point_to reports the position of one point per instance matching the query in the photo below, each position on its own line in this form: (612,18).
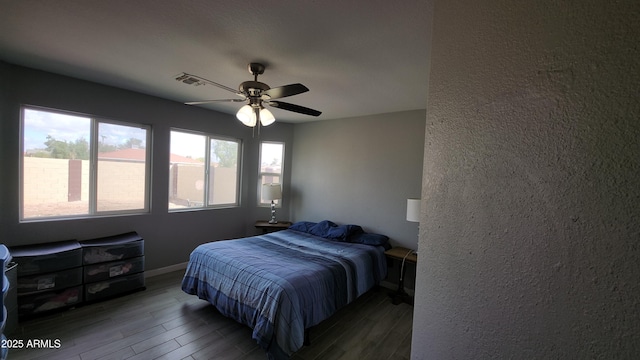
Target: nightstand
(267,228)
(401,255)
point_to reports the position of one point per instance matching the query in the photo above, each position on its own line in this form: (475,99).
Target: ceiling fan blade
(210,101)
(284,91)
(294,108)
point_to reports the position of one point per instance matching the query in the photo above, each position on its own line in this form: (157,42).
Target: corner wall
(360,171)
(530,233)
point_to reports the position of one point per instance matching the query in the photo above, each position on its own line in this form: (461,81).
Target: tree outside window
(203,171)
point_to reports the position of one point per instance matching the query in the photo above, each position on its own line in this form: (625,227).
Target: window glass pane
(55,164)
(223,173)
(122,164)
(186,170)
(271,158)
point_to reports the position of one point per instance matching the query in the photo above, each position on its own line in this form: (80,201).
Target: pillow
(327,229)
(353,230)
(332,231)
(302,226)
(371,239)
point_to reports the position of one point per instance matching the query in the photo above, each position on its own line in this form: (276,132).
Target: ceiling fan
(257,94)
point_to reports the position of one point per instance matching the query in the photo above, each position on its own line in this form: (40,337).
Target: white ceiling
(356,57)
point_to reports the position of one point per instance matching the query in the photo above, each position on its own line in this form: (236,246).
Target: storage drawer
(110,288)
(117,247)
(5,286)
(4,351)
(49,300)
(105,271)
(51,281)
(5,258)
(46,258)
(11,271)
(11,301)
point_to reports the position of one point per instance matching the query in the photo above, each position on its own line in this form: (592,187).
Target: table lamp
(272,192)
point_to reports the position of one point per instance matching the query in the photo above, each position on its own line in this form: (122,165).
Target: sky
(193,145)
(189,145)
(39,124)
(65,127)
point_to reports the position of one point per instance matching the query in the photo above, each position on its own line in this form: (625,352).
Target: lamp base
(273,213)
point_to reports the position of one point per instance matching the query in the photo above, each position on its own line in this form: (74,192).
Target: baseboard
(165,270)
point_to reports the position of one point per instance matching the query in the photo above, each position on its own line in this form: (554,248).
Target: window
(203,171)
(271,167)
(75,165)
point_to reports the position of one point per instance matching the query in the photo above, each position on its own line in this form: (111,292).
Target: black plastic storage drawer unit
(47,258)
(45,301)
(112,266)
(117,247)
(113,287)
(49,276)
(50,281)
(108,270)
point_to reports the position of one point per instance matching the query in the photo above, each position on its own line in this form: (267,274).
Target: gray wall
(169,238)
(360,171)
(530,229)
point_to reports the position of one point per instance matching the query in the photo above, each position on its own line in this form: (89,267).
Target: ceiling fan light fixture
(266,117)
(247,116)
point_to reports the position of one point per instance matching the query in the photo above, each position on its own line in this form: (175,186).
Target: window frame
(93,141)
(207,170)
(261,174)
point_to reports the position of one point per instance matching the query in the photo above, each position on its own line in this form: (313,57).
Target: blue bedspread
(282,283)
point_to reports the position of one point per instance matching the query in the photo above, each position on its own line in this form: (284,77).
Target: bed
(283,283)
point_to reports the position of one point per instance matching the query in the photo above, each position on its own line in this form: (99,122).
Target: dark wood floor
(163,322)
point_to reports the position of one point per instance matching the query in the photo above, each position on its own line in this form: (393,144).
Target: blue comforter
(282,283)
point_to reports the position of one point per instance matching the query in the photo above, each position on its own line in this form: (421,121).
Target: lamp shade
(413,210)
(272,191)
(266,117)
(247,116)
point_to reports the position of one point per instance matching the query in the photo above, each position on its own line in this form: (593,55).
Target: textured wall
(529,243)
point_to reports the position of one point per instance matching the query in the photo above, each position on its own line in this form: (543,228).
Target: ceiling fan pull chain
(258,121)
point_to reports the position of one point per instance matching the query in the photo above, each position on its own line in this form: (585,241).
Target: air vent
(190,80)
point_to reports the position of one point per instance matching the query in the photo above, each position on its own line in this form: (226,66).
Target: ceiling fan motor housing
(253,90)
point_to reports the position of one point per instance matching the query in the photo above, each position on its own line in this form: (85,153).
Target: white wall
(529,242)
